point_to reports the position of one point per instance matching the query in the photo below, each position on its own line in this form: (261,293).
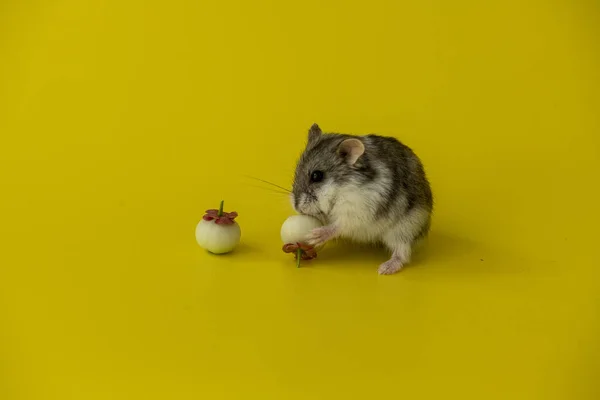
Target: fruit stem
(221,208)
(298,257)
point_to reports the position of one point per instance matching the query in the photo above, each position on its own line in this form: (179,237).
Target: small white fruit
(218,239)
(217,232)
(296,228)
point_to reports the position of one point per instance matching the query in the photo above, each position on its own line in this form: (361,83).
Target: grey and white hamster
(368,188)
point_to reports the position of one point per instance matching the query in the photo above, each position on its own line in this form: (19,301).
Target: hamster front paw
(390,267)
(319,236)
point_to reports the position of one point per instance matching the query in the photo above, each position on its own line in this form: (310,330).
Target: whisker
(281,192)
(269,183)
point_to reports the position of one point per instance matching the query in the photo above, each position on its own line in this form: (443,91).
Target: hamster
(369,189)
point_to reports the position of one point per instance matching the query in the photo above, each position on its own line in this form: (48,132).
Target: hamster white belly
(354,213)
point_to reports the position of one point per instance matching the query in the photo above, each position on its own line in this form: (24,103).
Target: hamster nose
(295,202)
(300,203)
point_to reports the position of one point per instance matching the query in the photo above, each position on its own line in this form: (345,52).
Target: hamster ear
(314,133)
(351,150)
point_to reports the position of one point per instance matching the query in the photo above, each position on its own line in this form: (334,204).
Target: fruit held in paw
(294,233)
(217,232)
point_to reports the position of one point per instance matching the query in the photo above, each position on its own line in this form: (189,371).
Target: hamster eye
(316,176)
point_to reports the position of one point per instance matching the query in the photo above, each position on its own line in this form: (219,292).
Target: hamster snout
(307,204)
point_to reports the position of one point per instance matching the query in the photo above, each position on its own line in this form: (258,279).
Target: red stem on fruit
(219,216)
(301,251)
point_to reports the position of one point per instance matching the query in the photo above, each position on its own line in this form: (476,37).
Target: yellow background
(122,121)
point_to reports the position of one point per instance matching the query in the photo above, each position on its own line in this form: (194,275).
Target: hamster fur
(370,189)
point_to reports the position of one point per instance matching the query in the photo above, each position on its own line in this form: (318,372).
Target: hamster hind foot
(400,257)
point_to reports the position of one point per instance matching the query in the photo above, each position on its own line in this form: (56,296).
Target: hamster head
(330,164)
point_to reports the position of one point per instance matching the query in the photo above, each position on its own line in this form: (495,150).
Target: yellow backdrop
(122,121)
